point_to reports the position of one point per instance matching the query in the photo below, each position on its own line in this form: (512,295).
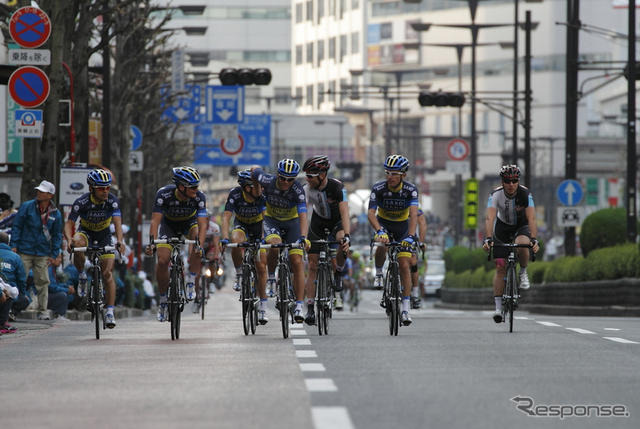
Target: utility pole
(571,113)
(632,162)
(527,101)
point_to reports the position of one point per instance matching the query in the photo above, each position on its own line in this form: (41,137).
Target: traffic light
(245,76)
(471,204)
(441,99)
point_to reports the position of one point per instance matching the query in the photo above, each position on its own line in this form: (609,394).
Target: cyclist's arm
(68,231)
(226,220)
(156,218)
(343,206)
(303,223)
(413,218)
(203,224)
(489,220)
(530,212)
(422,228)
(373,220)
(117,223)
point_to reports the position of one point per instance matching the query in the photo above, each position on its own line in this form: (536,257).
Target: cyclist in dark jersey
(179,209)
(510,218)
(247,203)
(393,212)
(327,201)
(96,210)
(285,221)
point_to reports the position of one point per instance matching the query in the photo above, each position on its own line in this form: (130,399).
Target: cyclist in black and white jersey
(510,217)
(327,202)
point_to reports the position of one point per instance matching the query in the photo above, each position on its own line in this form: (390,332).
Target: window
(309,95)
(298,54)
(252,94)
(343,85)
(454,125)
(320,95)
(282,95)
(309,10)
(310,52)
(386,31)
(332,91)
(195,31)
(355,4)
(343,7)
(298,96)
(199,59)
(343,46)
(332,48)
(355,43)
(320,51)
(320,7)
(299,13)
(192,10)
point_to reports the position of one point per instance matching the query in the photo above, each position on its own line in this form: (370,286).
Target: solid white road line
(320,385)
(549,324)
(612,329)
(306,354)
(620,340)
(301,342)
(298,332)
(521,318)
(331,418)
(580,331)
(312,367)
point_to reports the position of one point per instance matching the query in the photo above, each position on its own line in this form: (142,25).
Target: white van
(434,277)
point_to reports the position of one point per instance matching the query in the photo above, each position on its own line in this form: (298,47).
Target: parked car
(434,277)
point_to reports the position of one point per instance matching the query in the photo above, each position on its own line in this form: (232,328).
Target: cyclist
(510,214)
(211,249)
(285,220)
(179,209)
(329,207)
(97,209)
(393,212)
(416,293)
(248,204)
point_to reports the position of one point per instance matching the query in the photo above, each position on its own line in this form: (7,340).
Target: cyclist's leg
(162,269)
(291,231)
(195,258)
(272,236)
(79,240)
(523,237)
(310,287)
(237,236)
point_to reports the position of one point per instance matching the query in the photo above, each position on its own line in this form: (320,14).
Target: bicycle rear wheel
(283,294)
(511,293)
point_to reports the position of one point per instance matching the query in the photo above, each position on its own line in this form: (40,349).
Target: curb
(119,312)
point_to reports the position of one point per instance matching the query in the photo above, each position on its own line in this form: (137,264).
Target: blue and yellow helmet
(187,176)
(99,177)
(288,168)
(396,163)
(244,177)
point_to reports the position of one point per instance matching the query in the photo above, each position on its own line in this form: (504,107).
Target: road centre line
(331,418)
(301,342)
(312,367)
(612,329)
(549,324)
(620,340)
(320,385)
(580,331)
(306,354)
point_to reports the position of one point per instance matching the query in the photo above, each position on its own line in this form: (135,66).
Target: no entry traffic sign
(29,86)
(30,27)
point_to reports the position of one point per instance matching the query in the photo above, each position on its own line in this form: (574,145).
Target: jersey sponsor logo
(160,201)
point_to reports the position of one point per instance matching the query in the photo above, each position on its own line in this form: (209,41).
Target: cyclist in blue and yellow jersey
(393,212)
(285,220)
(510,218)
(96,209)
(416,292)
(179,209)
(247,203)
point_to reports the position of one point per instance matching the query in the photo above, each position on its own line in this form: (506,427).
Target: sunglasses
(510,181)
(286,179)
(192,187)
(102,188)
(312,175)
(392,173)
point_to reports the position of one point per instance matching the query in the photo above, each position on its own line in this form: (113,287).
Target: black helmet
(316,164)
(510,172)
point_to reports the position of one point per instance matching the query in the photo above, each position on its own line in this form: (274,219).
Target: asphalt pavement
(449,369)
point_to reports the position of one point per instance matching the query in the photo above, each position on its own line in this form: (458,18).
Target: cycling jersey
(393,205)
(213,230)
(95,216)
(245,212)
(511,210)
(324,203)
(281,205)
(177,210)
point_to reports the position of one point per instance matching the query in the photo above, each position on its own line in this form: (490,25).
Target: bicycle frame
(324,284)
(391,294)
(248,287)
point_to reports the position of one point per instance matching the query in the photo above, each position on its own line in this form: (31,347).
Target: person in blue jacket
(36,235)
(60,293)
(12,271)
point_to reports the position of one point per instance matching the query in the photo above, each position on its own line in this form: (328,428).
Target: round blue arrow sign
(136,137)
(570,192)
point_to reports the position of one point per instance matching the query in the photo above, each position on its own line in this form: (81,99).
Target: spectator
(7,294)
(7,212)
(60,293)
(36,236)
(13,273)
(71,278)
(149,293)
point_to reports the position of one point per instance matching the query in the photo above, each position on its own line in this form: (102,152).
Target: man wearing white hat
(36,236)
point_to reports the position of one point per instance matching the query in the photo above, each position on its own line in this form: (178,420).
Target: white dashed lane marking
(620,340)
(549,324)
(612,329)
(580,331)
(312,367)
(331,418)
(301,342)
(306,354)
(320,385)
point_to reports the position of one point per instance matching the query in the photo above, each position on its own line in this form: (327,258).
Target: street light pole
(632,162)
(571,119)
(516,29)
(527,101)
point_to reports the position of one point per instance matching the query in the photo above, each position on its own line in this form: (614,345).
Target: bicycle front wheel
(174,305)
(394,295)
(245,297)
(254,304)
(511,293)
(95,305)
(204,288)
(283,294)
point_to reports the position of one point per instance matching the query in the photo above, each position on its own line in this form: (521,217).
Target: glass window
(343,6)
(298,96)
(252,94)
(309,10)
(320,7)
(332,91)
(343,86)
(343,46)
(282,95)
(320,51)
(355,43)
(298,13)
(298,54)
(309,95)
(332,48)
(355,4)
(320,95)
(386,31)
(310,52)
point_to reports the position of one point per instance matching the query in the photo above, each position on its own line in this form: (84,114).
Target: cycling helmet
(355,255)
(244,177)
(510,172)
(288,168)
(99,177)
(317,164)
(187,176)
(396,163)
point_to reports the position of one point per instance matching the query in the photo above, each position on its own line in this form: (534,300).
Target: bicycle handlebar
(173,240)
(86,248)
(511,246)
(267,246)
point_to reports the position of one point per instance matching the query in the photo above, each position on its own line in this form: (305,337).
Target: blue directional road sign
(253,143)
(136,137)
(185,108)
(570,192)
(225,104)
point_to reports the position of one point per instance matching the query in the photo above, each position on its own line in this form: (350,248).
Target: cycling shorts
(397,231)
(169,229)
(98,239)
(316,232)
(505,233)
(287,230)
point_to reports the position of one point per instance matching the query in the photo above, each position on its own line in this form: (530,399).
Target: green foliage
(566,269)
(613,262)
(537,270)
(476,279)
(459,259)
(604,228)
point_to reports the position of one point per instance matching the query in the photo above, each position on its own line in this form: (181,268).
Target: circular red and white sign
(458,150)
(30,27)
(29,86)
(232,147)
